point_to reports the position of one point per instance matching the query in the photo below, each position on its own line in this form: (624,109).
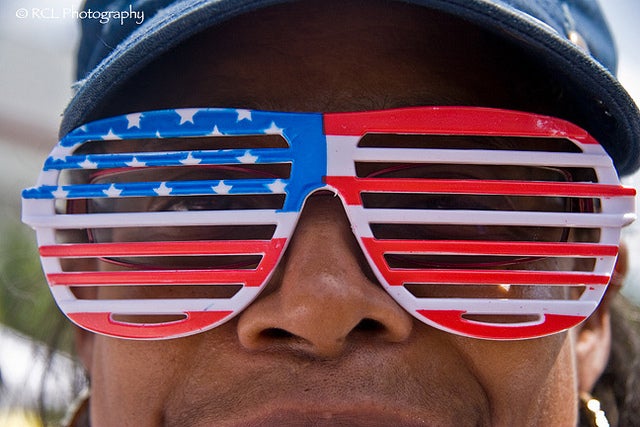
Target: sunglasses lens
(482,235)
(159,237)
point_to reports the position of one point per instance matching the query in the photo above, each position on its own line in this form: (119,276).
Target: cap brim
(608,112)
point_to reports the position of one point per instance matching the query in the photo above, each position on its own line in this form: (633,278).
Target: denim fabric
(110,53)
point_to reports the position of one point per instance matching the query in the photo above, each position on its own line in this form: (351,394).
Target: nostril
(275,334)
(369,325)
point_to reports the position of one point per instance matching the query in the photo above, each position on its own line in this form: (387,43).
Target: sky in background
(624,18)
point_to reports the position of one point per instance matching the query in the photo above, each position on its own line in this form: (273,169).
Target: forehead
(333,56)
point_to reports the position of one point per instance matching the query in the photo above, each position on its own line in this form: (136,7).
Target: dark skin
(324,344)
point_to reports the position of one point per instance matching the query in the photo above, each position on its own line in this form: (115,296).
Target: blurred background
(36,69)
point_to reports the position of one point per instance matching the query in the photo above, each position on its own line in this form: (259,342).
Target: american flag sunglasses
(485,223)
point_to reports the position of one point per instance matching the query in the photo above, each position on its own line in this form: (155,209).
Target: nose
(322,296)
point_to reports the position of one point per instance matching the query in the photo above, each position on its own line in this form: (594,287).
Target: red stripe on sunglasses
(351,187)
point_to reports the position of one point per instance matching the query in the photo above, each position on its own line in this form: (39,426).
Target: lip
(319,407)
(342,403)
(372,416)
(335,418)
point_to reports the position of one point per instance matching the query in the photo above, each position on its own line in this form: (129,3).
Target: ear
(593,340)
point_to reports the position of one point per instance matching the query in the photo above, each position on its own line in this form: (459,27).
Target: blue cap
(570,37)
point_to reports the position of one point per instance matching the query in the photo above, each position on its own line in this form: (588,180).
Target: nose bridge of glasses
(325,206)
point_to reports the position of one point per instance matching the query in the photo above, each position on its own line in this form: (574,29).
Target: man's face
(324,344)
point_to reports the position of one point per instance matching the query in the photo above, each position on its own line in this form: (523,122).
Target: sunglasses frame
(323,150)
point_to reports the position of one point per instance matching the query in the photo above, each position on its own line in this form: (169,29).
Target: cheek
(131,381)
(141,383)
(535,376)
